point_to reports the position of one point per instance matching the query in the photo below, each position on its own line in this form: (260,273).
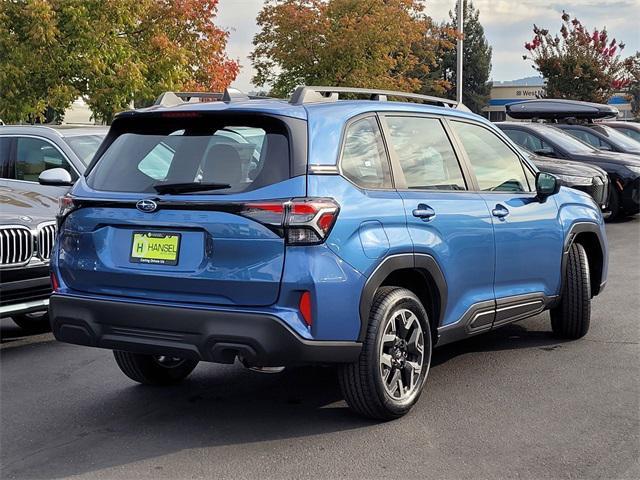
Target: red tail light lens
(305,308)
(306,221)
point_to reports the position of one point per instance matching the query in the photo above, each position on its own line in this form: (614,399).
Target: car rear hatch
(185,209)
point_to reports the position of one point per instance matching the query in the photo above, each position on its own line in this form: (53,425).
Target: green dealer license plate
(155,248)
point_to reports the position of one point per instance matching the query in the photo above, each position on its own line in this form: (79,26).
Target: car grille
(599,190)
(46,237)
(16,245)
(19,245)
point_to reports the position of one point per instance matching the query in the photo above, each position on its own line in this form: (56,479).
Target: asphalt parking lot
(515,403)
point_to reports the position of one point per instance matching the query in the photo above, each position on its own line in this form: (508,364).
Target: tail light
(66,205)
(305,221)
(55,285)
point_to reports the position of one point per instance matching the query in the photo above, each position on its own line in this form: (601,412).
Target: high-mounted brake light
(305,221)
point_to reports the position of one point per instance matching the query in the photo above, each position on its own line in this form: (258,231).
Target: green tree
(113,52)
(476,57)
(358,43)
(632,82)
(577,64)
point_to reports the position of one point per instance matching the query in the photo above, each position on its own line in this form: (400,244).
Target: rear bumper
(260,339)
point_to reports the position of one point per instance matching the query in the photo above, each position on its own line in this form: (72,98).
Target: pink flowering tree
(577,63)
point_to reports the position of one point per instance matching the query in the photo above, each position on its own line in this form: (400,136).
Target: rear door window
(35,155)
(590,138)
(235,155)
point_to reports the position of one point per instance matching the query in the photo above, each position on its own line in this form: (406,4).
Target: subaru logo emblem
(147,206)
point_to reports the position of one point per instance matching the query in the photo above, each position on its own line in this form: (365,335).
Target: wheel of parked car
(154,369)
(388,378)
(571,318)
(33,322)
(614,205)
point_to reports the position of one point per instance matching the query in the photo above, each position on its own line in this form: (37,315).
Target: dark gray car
(28,210)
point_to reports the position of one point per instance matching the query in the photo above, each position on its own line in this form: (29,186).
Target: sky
(507,25)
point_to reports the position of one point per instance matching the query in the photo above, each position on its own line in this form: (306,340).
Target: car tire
(571,317)
(154,369)
(614,206)
(33,323)
(389,376)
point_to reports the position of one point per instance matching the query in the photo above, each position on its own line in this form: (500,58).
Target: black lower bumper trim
(215,336)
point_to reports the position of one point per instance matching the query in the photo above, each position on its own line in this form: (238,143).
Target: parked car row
(571,134)
(28,211)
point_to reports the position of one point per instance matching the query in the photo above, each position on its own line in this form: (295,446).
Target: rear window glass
(242,155)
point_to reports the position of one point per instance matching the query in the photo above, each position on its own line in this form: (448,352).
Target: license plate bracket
(155,248)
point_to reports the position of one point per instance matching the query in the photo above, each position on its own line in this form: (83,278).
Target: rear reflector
(55,286)
(305,308)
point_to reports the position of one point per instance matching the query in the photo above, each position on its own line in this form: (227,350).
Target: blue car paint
(372,225)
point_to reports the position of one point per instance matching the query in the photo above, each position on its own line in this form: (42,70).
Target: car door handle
(425,212)
(500,211)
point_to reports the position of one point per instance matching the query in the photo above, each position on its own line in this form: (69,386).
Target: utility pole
(460,51)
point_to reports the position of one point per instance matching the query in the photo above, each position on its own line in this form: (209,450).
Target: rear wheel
(571,318)
(33,322)
(388,378)
(154,369)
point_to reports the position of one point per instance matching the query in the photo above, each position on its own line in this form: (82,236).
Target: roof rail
(172,99)
(315,94)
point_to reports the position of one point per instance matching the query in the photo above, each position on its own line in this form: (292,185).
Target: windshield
(234,157)
(620,139)
(84,146)
(565,140)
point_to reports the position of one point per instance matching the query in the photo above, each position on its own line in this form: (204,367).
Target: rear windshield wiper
(176,188)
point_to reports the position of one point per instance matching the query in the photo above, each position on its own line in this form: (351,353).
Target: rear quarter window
(244,154)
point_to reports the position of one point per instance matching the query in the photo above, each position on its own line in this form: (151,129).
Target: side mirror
(55,176)
(546,185)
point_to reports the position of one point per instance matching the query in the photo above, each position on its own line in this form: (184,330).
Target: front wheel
(389,376)
(154,369)
(571,318)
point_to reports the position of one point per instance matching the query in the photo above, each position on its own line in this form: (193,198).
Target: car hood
(609,157)
(567,167)
(26,204)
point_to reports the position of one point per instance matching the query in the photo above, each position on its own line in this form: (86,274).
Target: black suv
(549,141)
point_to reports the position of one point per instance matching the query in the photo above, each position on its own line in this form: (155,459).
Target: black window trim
(343,141)
(506,141)
(398,173)
(13,152)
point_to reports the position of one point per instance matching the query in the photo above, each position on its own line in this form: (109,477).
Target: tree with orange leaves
(112,52)
(357,43)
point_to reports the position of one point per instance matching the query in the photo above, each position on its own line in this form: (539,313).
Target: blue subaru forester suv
(318,230)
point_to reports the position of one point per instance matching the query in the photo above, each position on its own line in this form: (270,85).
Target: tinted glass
(564,140)
(589,138)
(618,137)
(33,156)
(528,141)
(364,160)
(496,166)
(5,169)
(634,134)
(425,154)
(84,146)
(245,157)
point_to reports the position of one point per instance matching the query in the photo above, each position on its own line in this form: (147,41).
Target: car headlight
(574,180)
(633,168)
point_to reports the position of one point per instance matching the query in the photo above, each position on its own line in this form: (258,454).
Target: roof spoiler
(173,99)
